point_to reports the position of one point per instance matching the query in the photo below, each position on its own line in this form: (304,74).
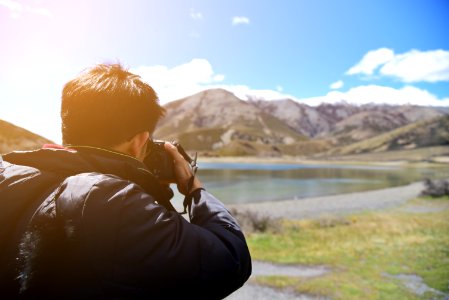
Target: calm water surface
(256,182)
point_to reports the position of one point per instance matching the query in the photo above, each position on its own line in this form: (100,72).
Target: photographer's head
(107,106)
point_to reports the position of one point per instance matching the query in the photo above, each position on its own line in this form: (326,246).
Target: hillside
(299,117)
(16,138)
(433,132)
(344,123)
(216,122)
(372,121)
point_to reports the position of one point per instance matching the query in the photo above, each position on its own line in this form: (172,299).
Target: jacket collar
(85,159)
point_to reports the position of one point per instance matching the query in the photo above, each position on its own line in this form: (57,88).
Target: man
(90,221)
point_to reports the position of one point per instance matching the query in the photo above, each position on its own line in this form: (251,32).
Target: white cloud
(16,8)
(337,85)
(416,66)
(245,93)
(219,77)
(195,76)
(376,94)
(179,81)
(198,75)
(42,11)
(371,60)
(412,66)
(196,15)
(12,5)
(237,20)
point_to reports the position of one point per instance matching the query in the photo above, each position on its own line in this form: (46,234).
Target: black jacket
(92,224)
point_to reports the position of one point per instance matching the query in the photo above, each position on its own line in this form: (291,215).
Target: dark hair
(107,105)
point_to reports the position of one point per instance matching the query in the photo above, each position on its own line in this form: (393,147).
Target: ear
(136,146)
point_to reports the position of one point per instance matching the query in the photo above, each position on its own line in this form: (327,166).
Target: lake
(259,182)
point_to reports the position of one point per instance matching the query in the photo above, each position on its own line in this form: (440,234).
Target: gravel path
(257,292)
(253,291)
(335,204)
(268,269)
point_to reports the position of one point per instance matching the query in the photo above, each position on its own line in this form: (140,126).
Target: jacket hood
(67,162)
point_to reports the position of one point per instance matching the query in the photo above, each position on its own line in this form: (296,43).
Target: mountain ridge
(216,122)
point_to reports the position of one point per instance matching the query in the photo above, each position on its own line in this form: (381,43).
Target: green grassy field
(363,251)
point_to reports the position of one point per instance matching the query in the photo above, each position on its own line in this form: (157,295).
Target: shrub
(435,188)
(251,221)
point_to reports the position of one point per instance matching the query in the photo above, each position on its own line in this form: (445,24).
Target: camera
(160,162)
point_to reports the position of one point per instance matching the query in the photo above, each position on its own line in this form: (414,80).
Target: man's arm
(214,219)
(158,252)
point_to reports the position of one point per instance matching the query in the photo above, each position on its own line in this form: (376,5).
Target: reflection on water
(244,182)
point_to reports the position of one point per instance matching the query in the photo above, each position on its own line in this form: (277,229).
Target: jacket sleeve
(157,252)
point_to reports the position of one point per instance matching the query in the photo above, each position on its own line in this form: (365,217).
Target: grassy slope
(247,139)
(426,133)
(16,138)
(361,249)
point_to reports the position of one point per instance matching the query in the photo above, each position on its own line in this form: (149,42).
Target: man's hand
(182,170)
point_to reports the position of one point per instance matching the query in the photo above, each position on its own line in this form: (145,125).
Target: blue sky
(311,51)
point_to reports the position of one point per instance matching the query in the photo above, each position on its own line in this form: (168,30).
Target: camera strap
(188,198)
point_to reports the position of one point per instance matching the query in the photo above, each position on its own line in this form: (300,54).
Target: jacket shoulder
(104,193)
(96,187)
(12,172)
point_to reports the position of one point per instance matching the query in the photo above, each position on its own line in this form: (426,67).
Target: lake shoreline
(426,156)
(306,161)
(242,180)
(334,205)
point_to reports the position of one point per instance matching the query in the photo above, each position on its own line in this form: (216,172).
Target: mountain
(216,122)
(433,132)
(13,138)
(299,117)
(371,121)
(344,123)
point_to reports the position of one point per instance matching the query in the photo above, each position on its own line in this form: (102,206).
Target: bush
(251,221)
(435,188)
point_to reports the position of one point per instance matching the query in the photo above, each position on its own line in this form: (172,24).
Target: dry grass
(15,138)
